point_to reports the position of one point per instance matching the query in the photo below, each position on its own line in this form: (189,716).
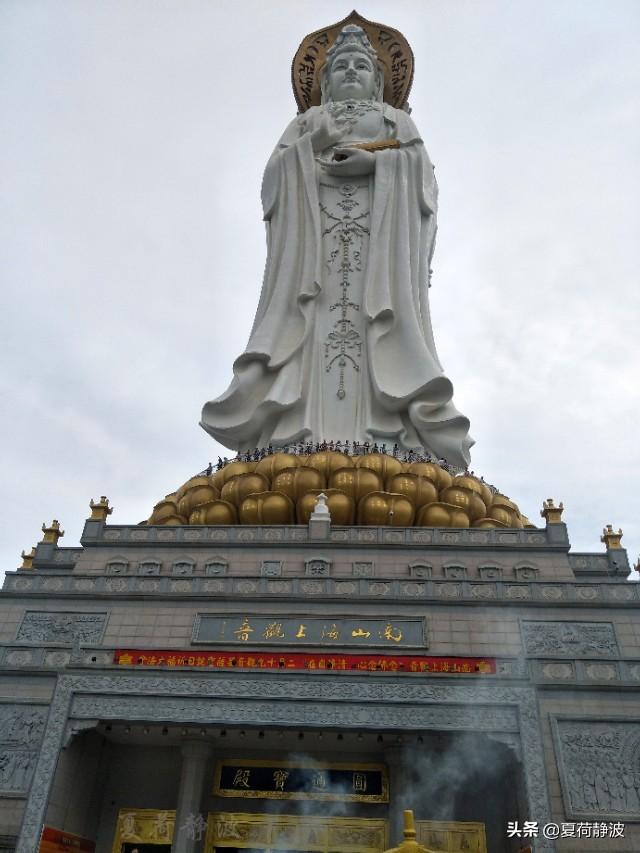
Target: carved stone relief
(219,535)
(621,593)
(588,593)
(19,657)
(412,588)
(216,568)
(456,573)
(517,593)
(449,590)
(526,573)
(569,639)
(558,671)
(379,588)
(16,769)
(166,535)
(61,627)
(420,570)
(279,587)
(346,587)
(117,567)
(57,659)
(422,536)
(490,573)
(246,586)
(393,536)
(143,535)
(312,587)
(148,585)
(552,593)
(214,586)
(363,569)
(601,671)
(271,568)
(21,725)
(599,764)
(483,590)
(317,567)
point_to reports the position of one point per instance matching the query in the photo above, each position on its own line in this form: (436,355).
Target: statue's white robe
(271,399)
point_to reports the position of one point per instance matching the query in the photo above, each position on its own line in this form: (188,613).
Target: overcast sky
(134,136)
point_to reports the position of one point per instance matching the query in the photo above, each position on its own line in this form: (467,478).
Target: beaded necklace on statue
(345,114)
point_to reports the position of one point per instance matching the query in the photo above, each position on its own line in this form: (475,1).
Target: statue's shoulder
(405,128)
(309,118)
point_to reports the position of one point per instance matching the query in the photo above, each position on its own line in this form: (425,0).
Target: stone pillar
(195,757)
(399,793)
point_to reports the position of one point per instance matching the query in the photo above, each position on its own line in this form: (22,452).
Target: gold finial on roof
(610,538)
(100,510)
(27,559)
(551,513)
(53,532)
(409,845)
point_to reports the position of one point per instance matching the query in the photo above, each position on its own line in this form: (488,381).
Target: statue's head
(352,69)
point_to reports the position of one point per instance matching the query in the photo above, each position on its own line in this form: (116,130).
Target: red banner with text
(56,841)
(314,661)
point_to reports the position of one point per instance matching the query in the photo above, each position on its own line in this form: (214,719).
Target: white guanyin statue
(342,346)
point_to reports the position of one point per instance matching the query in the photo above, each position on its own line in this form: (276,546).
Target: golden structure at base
(452,836)
(434,836)
(314,833)
(371,489)
(143,826)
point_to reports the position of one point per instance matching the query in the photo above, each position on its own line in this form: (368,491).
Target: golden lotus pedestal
(374,489)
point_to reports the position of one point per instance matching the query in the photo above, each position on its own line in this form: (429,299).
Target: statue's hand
(350,162)
(325,135)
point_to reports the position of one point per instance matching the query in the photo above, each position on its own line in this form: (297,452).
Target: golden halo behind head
(394,54)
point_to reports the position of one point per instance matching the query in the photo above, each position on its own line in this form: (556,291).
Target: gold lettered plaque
(288,780)
(315,833)
(143,826)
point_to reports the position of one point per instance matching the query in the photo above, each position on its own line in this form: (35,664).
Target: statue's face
(352,75)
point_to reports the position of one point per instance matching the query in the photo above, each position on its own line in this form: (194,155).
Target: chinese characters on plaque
(286,780)
(309,630)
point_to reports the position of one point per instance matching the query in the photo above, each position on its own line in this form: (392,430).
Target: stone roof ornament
(27,559)
(611,539)
(53,532)
(551,513)
(101,509)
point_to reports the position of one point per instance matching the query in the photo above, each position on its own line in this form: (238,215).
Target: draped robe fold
(272,398)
